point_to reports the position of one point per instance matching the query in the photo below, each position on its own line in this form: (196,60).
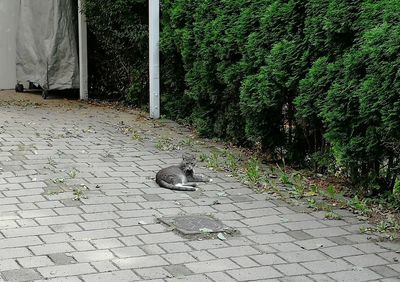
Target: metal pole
(83,62)
(154,57)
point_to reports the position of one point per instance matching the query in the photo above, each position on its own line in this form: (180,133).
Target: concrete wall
(8,28)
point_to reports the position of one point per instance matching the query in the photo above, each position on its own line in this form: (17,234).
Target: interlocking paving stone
(359,274)
(140,262)
(113,233)
(121,275)
(366,260)
(21,275)
(211,266)
(254,273)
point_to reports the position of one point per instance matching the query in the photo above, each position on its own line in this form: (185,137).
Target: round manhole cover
(194,224)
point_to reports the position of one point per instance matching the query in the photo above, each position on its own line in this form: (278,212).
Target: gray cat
(181,177)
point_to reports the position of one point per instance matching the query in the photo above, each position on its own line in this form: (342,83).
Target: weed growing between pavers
(293,186)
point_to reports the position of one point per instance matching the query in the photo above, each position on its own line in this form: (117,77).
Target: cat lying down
(181,177)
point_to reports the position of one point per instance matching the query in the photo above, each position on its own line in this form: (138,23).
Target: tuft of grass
(78,194)
(232,163)
(137,136)
(253,172)
(203,157)
(72,173)
(331,192)
(188,142)
(389,226)
(359,205)
(166,144)
(213,161)
(58,181)
(332,216)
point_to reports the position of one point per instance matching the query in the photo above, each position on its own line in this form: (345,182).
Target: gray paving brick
(254,273)
(14,253)
(20,275)
(244,261)
(385,271)
(211,266)
(317,243)
(176,247)
(160,238)
(302,256)
(324,266)
(66,270)
(94,234)
(121,275)
(140,262)
(20,242)
(152,249)
(300,278)
(89,256)
(207,244)
(267,259)
(106,243)
(26,231)
(36,261)
(220,276)
(234,251)
(327,232)
(126,252)
(321,278)
(153,273)
(61,258)
(55,238)
(8,264)
(104,266)
(51,248)
(291,269)
(357,275)
(271,238)
(341,251)
(178,258)
(366,260)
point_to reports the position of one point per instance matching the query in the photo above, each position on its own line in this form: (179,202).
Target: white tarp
(8,22)
(47,48)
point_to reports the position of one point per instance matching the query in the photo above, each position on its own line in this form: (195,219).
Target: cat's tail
(177,187)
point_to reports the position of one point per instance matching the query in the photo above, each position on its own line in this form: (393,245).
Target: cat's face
(189,162)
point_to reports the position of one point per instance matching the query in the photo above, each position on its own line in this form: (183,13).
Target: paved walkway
(61,150)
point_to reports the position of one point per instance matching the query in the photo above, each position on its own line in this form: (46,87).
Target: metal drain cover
(194,224)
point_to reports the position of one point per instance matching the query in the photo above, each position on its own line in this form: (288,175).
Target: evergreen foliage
(314,82)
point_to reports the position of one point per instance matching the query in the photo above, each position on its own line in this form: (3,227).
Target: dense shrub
(311,81)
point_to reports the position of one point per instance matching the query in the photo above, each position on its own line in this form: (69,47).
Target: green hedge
(314,82)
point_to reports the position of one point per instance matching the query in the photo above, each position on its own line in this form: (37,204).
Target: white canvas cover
(47,49)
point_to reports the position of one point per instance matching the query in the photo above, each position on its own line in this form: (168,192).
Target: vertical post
(83,62)
(154,57)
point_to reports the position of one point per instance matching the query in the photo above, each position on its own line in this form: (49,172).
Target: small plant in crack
(78,194)
(253,172)
(51,162)
(188,142)
(137,136)
(359,205)
(166,144)
(333,216)
(72,173)
(58,181)
(232,163)
(213,161)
